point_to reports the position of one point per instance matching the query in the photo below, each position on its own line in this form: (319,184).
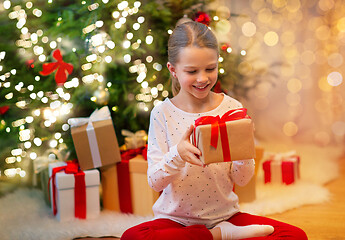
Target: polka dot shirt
(191,194)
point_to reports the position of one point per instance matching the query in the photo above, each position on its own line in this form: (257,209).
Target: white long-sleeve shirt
(191,194)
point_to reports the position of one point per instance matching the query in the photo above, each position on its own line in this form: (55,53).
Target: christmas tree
(60,60)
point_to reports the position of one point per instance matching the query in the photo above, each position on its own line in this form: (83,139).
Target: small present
(95,140)
(226,138)
(247,193)
(134,140)
(282,168)
(73,193)
(131,193)
(143,196)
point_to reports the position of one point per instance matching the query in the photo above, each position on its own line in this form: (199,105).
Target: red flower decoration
(202,17)
(63,68)
(4,109)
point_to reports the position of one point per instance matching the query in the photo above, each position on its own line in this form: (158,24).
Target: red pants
(169,230)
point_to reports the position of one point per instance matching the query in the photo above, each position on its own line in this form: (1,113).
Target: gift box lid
(66,181)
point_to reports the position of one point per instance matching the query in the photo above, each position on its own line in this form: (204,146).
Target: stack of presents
(116,177)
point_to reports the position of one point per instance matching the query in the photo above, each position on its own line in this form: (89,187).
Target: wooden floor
(323,221)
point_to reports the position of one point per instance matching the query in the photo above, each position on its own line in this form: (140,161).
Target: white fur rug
(24,215)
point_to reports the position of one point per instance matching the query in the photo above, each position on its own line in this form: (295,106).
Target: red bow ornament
(63,68)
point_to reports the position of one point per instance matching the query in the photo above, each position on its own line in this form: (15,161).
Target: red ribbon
(72,167)
(131,153)
(220,123)
(62,68)
(123,179)
(267,170)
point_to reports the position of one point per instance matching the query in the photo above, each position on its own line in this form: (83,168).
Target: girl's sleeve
(164,163)
(242,171)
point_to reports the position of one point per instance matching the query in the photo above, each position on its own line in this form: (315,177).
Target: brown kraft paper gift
(98,135)
(240,136)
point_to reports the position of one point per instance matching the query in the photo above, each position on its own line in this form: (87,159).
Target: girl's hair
(189,33)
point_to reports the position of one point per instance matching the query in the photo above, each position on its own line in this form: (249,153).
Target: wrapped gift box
(125,187)
(65,193)
(110,189)
(95,140)
(284,170)
(143,196)
(228,138)
(247,193)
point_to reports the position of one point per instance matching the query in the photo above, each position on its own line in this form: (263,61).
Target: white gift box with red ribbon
(282,168)
(65,202)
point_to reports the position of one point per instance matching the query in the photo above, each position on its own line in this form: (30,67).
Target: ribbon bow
(219,123)
(134,140)
(131,153)
(62,68)
(97,115)
(72,167)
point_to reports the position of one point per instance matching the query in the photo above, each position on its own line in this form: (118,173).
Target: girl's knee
(300,234)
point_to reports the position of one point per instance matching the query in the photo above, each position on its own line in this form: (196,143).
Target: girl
(197,202)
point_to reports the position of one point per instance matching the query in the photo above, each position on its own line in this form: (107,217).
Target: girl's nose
(202,77)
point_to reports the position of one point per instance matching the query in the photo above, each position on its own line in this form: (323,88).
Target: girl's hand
(187,150)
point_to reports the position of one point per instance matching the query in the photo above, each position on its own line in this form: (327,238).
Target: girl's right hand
(188,152)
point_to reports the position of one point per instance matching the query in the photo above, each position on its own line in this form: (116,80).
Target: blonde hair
(188,33)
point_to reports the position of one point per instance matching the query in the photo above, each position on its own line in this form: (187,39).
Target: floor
(321,222)
(324,221)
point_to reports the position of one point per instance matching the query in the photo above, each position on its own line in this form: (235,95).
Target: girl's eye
(191,72)
(210,69)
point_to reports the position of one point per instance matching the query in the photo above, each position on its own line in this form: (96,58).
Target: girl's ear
(171,69)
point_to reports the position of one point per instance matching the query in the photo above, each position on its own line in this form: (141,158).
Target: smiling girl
(197,201)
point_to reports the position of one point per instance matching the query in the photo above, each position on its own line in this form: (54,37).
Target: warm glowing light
(334,79)
(271,38)
(223,26)
(294,85)
(249,29)
(290,129)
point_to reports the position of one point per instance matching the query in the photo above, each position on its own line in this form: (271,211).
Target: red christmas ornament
(225,46)
(63,68)
(4,109)
(202,17)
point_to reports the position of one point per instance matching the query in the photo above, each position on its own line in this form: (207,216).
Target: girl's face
(196,71)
